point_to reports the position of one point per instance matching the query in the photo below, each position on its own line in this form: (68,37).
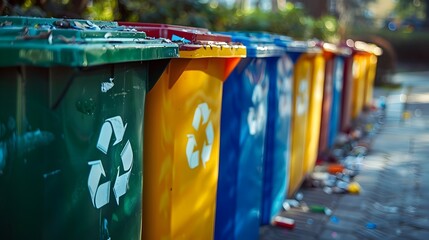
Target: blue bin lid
(258,44)
(294,46)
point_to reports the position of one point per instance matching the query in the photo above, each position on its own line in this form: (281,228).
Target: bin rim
(258,44)
(193,42)
(57,23)
(78,48)
(364,47)
(335,49)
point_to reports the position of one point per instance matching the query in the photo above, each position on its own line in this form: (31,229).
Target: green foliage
(290,21)
(406,8)
(326,28)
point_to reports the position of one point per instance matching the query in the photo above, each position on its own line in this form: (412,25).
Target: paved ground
(394,202)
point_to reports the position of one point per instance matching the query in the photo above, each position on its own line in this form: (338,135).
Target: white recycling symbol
(100,193)
(256,114)
(302,98)
(201,118)
(338,75)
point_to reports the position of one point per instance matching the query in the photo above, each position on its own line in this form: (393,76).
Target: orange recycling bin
(364,69)
(181,131)
(374,51)
(302,86)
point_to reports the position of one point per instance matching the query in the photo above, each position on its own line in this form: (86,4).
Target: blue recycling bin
(278,132)
(335,115)
(243,129)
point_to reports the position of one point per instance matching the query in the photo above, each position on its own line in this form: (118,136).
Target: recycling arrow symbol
(256,114)
(201,117)
(100,193)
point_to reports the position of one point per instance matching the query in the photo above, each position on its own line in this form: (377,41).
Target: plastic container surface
(73,95)
(364,70)
(332,95)
(182,129)
(347,93)
(302,81)
(243,132)
(315,113)
(278,140)
(335,114)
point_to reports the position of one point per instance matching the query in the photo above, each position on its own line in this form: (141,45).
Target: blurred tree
(351,13)
(281,16)
(413,14)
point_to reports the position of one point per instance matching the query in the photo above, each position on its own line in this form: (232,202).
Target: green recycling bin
(71,123)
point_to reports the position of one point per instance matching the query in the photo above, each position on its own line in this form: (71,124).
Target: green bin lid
(38,42)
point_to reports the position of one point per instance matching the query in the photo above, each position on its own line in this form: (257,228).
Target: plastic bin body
(302,77)
(327,101)
(315,113)
(279,132)
(72,117)
(182,128)
(243,133)
(360,73)
(347,95)
(369,88)
(277,144)
(335,114)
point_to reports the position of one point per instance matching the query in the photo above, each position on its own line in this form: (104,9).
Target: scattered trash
(299,196)
(371,225)
(292,203)
(335,219)
(335,168)
(327,190)
(286,206)
(386,209)
(304,207)
(354,188)
(317,208)
(398,231)
(406,115)
(284,222)
(310,221)
(320,176)
(328,212)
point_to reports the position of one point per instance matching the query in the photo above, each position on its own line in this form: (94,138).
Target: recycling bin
(73,95)
(279,132)
(182,133)
(342,55)
(374,52)
(347,93)
(329,51)
(359,72)
(243,129)
(305,62)
(331,105)
(315,113)
(363,72)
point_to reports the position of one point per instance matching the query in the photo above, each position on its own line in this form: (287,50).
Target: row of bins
(132,130)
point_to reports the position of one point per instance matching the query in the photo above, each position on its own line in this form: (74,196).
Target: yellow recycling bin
(315,113)
(359,72)
(302,77)
(181,148)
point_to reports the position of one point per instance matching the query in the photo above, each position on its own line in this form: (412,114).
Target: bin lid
(258,44)
(335,49)
(39,42)
(363,47)
(295,46)
(193,42)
